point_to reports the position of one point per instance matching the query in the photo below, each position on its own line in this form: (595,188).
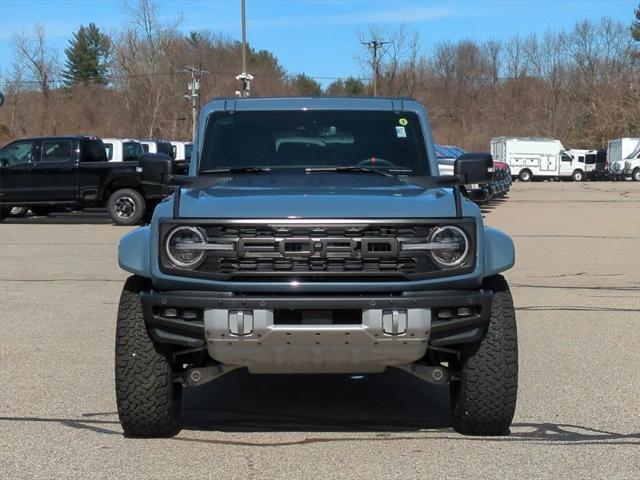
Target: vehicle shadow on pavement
(90,217)
(386,407)
(393,401)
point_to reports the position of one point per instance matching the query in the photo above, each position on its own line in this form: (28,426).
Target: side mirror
(155,168)
(473,167)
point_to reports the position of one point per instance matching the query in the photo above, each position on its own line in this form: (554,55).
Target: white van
(632,165)
(618,150)
(182,150)
(585,158)
(122,149)
(530,157)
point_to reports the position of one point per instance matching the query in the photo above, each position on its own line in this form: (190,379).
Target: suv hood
(315,195)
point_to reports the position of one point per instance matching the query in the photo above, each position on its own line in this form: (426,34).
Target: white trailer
(530,157)
(618,150)
(122,149)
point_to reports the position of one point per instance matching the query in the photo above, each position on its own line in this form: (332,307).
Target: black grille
(316,252)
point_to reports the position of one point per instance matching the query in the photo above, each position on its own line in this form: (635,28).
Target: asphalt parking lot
(576,286)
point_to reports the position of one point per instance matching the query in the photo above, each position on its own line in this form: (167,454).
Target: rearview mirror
(473,167)
(155,168)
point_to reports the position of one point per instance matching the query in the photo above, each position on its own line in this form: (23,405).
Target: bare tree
(36,58)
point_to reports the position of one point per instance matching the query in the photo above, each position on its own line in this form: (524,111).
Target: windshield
(290,140)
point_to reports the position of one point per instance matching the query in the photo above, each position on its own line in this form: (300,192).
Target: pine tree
(87,57)
(635,26)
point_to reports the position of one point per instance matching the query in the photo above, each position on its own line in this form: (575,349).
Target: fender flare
(499,252)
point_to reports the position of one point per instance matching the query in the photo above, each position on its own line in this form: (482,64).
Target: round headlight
(450,246)
(178,243)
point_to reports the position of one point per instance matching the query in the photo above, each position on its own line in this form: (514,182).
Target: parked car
(44,173)
(122,149)
(497,185)
(617,151)
(341,252)
(536,158)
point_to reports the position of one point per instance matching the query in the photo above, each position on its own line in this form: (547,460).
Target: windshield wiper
(236,170)
(352,169)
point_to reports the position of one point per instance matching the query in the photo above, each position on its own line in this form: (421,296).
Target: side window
(94,151)
(566,158)
(145,147)
(56,150)
(166,149)
(590,159)
(17,153)
(108,147)
(175,151)
(581,159)
(131,151)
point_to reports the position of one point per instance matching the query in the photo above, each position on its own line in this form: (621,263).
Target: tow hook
(194,377)
(435,375)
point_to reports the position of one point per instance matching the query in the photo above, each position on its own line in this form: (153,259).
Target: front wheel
(126,207)
(636,175)
(148,398)
(577,176)
(484,395)
(525,176)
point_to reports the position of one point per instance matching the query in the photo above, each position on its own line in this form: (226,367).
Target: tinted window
(93,151)
(109,150)
(131,150)
(175,151)
(566,158)
(165,148)
(145,147)
(187,151)
(16,153)
(386,140)
(590,159)
(57,150)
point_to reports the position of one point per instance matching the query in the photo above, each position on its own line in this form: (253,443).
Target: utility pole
(374,46)
(194,95)
(244,76)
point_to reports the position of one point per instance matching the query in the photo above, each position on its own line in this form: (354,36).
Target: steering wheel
(375,161)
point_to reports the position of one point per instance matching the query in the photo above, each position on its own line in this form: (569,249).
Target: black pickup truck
(45,173)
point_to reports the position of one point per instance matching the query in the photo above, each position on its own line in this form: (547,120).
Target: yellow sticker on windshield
(403,121)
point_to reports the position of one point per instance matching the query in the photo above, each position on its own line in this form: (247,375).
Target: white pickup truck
(122,149)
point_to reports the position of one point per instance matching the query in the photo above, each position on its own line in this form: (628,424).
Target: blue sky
(317,37)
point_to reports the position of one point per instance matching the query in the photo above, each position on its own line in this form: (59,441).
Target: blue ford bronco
(315,235)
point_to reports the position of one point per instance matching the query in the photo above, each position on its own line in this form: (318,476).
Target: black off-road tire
(126,207)
(484,398)
(41,211)
(525,175)
(148,398)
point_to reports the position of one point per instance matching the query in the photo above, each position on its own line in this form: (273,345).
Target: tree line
(581,85)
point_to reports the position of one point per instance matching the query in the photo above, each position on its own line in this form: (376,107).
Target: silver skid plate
(249,338)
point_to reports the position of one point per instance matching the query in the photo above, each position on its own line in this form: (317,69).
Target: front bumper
(386,330)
